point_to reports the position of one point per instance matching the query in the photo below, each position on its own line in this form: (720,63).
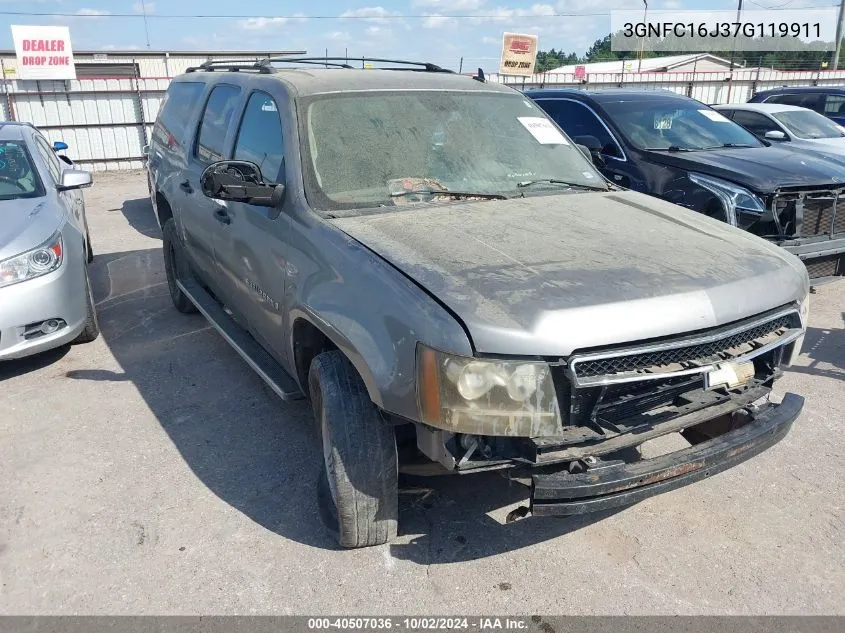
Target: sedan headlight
(39,261)
(486,397)
(741,206)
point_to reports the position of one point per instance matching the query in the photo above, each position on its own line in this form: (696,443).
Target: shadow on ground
(141,217)
(825,347)
(20,367)
(259,454)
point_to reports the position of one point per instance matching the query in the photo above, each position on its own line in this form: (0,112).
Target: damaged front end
(710,387)
(809,224)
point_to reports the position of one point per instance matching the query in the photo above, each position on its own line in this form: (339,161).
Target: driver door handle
(186,186)
(222,216)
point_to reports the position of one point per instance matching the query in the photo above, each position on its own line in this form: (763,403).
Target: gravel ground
(152,472)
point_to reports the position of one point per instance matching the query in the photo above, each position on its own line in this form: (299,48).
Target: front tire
(176,267)
(92,327)
(358,488)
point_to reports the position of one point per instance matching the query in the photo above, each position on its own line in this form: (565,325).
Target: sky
(438,31)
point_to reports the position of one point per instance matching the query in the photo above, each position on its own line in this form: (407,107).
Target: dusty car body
(45,296)
(455,287)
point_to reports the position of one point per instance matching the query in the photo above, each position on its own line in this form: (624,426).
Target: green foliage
(801,57)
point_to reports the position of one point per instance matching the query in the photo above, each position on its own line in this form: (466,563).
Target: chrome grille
(686,353)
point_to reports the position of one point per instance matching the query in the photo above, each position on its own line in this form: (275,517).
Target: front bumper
(824,258)
(61,294)
(564,493)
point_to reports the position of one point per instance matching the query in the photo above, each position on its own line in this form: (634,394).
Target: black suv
(683,151)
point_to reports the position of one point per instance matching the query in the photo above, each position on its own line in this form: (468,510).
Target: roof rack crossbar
(263,65)
(336,61)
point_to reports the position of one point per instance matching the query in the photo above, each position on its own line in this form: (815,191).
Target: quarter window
(260,137)
(176,110)
(216,120)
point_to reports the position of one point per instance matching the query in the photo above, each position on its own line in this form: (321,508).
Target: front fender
(371,312)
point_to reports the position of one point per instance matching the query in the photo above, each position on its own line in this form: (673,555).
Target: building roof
(649,64)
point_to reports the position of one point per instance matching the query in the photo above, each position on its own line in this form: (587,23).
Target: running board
(255,356)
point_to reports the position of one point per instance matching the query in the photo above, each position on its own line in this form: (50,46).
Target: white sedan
(798,127)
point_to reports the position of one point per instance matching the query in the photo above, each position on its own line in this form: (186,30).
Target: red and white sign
(580,72)
(44,52)
(519,53)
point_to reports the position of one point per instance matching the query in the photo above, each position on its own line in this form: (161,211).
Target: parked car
(799,127)
(683,151)
(45,247)
(826,100)
(457,289)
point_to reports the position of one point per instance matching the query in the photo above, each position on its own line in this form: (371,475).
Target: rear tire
(358,488)
(92,328)
(176,267)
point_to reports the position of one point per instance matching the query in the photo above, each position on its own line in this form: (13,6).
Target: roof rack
(264,65)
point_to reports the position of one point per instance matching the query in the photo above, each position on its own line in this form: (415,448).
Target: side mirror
(585,151)
(75,179)
(593,146)
(775,135)
(59,146)
(240,181)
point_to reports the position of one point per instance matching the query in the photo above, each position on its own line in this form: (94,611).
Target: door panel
(197,211)
(250,247)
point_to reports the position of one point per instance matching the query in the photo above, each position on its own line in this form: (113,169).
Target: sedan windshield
(674,124)
(372,149)
(18,178)
(808,124)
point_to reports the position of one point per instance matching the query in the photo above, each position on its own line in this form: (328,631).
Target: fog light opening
(49,326)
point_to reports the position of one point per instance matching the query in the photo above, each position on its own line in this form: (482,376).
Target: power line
(500,17)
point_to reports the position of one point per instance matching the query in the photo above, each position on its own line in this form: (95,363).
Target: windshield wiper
(554,181)
(731,145)
(443,192)
(671,148)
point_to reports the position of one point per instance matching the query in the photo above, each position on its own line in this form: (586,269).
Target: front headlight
(486,397)
(741,206)
(39,261)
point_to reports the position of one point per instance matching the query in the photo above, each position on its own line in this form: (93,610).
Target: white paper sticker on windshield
(715,116)
(662,121)
(542,130)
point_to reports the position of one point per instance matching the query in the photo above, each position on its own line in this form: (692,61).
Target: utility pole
(642,40)
(835,60)
(733,50)
(147,30)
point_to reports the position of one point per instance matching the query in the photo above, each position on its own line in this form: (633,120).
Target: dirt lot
(152,473)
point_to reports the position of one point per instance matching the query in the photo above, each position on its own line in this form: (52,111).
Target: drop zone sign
(43,52)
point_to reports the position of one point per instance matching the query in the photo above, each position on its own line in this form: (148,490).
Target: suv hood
(761,169)
(547,275)
(25,223)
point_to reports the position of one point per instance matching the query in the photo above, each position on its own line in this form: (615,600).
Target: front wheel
(358,488)
(92,328)
(176,268)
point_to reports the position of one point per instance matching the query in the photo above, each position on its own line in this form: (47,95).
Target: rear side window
(834,104)
(260,137)
(216,119)
(577,120)
(804,100)
(756,123)
(176,110)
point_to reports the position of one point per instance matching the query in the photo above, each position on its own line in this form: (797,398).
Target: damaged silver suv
(446,276)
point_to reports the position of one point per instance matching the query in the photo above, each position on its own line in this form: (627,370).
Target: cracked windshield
(392,149)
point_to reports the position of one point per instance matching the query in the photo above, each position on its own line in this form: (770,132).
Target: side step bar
(255,356)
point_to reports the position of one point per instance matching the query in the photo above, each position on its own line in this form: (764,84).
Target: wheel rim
(328,457)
